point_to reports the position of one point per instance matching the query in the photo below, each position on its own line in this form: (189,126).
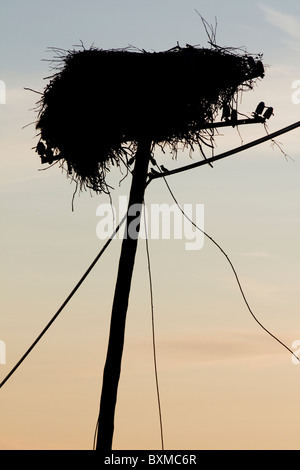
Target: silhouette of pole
(112,368)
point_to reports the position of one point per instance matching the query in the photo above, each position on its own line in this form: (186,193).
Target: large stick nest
(100,103)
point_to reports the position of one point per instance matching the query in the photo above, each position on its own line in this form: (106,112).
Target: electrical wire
(95,434)
(234,272)
(151,177)
(63,304)
(229,152)
(150,278)
(153,332)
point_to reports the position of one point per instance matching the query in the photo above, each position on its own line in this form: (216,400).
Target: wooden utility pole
(112,369)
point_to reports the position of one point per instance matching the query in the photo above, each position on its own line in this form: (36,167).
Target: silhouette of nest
(100,103)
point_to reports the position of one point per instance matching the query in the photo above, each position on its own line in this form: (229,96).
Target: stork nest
(100,103)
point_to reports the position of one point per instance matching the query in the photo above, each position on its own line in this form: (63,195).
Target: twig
(34,91)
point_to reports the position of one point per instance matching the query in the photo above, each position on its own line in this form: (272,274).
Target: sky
(224,383)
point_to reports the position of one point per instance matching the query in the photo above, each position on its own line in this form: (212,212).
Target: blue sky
(204,333)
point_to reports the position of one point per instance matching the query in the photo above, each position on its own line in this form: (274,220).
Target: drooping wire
(153,332)
(234,272)
(105,247)
(64,303)
(153,343)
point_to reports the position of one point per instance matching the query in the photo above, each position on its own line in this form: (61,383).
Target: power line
(151,177)
(234,271)
(64,304)
(153,344)
(251,144)
(153,334)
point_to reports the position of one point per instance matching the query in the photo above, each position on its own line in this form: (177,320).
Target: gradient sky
(225,384)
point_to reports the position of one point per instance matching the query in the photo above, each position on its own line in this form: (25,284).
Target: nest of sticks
(100,104)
